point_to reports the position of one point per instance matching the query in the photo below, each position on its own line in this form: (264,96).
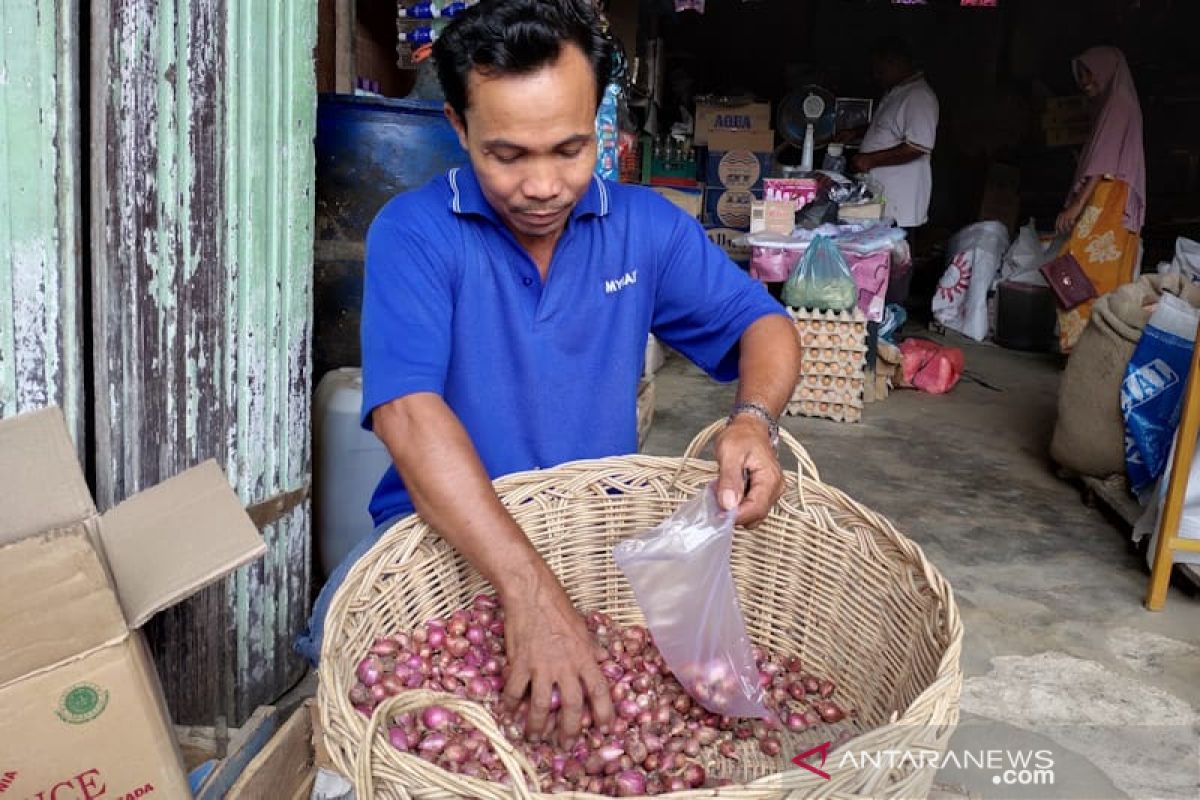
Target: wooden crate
(272,756)
(286,767)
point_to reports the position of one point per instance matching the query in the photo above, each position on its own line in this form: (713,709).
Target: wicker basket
(823,578)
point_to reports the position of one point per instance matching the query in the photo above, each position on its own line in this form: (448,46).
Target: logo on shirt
(617,284)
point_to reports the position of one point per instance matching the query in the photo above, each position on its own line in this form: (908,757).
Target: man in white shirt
(898,143)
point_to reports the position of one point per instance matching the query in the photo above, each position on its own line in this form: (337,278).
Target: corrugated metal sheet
(202,199)
(41,361)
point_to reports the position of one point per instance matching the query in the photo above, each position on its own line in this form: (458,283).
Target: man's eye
(571,152)
(506,158)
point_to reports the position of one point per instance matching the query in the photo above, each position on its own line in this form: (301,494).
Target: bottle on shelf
(424,10)
(421,35)
(433,9)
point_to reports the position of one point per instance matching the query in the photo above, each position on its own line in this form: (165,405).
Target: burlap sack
(1089,436)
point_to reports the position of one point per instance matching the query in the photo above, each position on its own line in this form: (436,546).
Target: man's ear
(458,123)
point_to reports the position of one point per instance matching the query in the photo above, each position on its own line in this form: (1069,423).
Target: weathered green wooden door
(41,348)
(202,120)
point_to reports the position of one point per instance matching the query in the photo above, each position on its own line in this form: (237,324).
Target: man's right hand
(548,642)
(550,646)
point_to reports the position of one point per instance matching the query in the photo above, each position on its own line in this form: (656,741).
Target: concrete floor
(1058,652)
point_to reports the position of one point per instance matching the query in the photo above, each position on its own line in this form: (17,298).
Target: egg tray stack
(833,364)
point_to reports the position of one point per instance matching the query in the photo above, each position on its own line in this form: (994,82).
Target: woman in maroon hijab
(1107,203)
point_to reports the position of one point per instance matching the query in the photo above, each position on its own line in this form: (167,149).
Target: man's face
(532,141)
(888,71)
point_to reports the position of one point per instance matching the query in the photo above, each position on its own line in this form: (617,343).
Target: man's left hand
(744,448)
(862,163)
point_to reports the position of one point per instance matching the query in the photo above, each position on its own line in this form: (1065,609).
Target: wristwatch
(760,411)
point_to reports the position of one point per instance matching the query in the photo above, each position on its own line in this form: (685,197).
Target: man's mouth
(542,216)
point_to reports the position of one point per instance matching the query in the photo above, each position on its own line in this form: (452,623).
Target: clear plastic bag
(680,575)
(821,281)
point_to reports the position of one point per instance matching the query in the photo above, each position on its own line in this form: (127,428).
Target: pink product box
(801,191)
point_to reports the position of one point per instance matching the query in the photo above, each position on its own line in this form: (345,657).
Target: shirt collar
(909,81)
(466,196)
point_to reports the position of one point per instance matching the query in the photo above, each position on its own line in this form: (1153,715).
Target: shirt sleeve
(703,301)
(407,314)
(921,120)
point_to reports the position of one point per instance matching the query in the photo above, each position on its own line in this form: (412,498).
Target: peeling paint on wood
(203,215)
(41,360)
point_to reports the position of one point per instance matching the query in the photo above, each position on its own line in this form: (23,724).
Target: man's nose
(541,181)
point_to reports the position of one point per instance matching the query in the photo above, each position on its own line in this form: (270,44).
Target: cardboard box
(1067,105)
(861,211)
(1072,111)
(773,216)
(729,240)
(800,191)
(739,160)
(1001,195)
(690,199)
(1067,135)
(1052,119)
(711,117)
(728,208)
(81,710)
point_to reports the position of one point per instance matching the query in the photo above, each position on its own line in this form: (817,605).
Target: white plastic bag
(1023,261)
(1189,523)
(680,575)
(1186,261)
(961,301)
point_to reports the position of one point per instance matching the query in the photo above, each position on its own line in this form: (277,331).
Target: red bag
(931,367)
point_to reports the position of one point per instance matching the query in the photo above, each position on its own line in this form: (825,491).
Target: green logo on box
(82,703)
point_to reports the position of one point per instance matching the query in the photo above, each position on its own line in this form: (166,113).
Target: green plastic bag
(821,280)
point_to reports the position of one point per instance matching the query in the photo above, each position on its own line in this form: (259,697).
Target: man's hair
(893,48)
(514,37)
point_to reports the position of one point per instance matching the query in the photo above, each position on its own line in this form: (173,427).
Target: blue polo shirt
(540,373)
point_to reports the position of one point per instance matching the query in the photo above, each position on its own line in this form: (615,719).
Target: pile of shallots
(652,746)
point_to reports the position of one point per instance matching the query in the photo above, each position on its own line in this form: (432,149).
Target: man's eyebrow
(503,143)
(579,138)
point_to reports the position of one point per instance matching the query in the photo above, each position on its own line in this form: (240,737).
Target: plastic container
(368,150)
(1025,317)
(347,465)
(834,160)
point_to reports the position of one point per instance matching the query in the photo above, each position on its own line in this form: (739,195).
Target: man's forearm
(894,156)
(452,492)
(770,363)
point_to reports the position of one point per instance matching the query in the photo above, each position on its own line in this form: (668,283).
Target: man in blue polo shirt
(505,315)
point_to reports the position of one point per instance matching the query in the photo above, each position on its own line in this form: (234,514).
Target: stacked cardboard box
(1066,120)
(689,199)
(735,168)
(713,118)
